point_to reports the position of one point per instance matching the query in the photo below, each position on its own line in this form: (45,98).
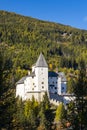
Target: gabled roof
(32,74)
(60,74)
(52,74)
(21,81)
(41,62)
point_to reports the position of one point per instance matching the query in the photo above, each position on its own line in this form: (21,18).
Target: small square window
(42,86)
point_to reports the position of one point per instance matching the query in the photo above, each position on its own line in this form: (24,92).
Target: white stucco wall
(20,90)
(61,86)
(33,68)
(41,79)
(37,95)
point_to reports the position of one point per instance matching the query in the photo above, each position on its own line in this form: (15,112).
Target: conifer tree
(81,97)
(79,110)
(30,113)
(45,114)
(7,100)
(20,119)
(60,113)
(46,101)
(43,121)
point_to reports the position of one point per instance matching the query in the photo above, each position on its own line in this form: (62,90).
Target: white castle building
(40,81)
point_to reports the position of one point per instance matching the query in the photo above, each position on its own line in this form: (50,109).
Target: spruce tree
(79,110)
(45,114)
(81,98)
(60,116)
(42,118)
(7,100)
(30,113)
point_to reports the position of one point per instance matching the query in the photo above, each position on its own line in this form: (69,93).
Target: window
(42,82)
(42,86)
(51,85)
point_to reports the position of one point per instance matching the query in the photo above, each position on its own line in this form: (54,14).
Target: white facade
(20,90)
(41,81)
(61,84)
(57,83)
(36,83)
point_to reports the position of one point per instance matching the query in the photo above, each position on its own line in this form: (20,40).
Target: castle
(39,81)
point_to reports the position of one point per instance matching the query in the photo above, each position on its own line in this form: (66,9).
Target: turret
(41,72)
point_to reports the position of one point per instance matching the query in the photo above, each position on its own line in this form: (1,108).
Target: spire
(41,62)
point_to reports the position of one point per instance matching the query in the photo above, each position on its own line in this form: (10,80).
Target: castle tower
(41,72)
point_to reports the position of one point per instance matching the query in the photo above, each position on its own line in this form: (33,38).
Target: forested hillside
(26,37)
(21,41)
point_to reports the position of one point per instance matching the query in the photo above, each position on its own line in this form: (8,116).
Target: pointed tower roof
(41,62)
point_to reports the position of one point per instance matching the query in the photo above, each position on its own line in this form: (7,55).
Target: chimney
(57,70)
(28,72)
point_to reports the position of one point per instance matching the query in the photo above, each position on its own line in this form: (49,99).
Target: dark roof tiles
(21,81)
(41,62)
(52,74)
